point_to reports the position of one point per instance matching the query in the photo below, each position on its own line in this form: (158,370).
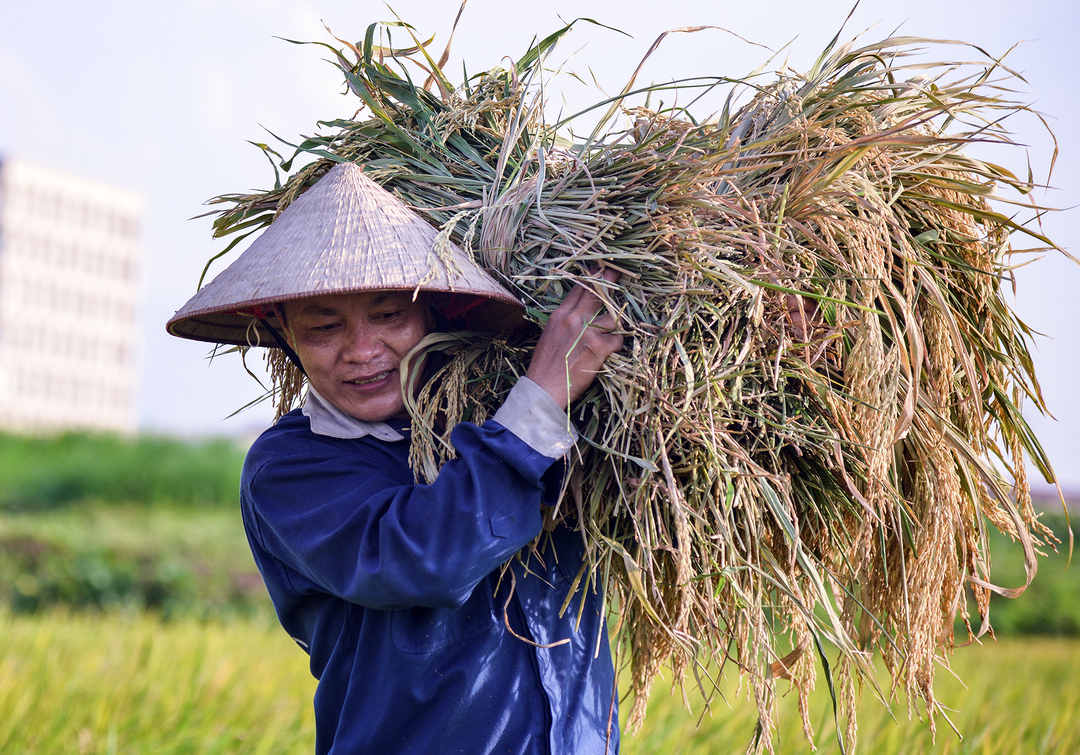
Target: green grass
(86,683)
(1015,696)
(114,684)
(42,473)
(1051,604)
(174,560)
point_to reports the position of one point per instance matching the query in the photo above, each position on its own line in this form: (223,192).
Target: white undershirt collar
(327,419)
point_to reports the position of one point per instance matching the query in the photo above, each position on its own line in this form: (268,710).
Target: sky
(162,99)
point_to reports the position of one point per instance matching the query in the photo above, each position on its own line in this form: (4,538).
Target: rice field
(131,684)
(111,684)
(1016,696)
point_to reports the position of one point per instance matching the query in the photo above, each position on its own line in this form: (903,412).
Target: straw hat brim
(344,235)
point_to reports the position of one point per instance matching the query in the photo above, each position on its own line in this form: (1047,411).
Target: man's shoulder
(290,460)
(289,429)
(292,439)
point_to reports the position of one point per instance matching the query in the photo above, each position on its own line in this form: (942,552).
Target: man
(429,625)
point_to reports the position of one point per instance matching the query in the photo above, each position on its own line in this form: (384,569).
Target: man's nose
(364,344)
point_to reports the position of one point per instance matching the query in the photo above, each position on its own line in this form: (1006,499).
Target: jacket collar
(327,419)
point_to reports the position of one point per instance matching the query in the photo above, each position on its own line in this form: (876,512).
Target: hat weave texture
(345,234)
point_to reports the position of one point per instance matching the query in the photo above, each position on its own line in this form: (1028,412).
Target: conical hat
(345,234)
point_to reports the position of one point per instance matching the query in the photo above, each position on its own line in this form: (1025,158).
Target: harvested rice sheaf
(817,412)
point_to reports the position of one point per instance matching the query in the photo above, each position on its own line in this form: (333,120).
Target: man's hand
(574,344)
(803,313)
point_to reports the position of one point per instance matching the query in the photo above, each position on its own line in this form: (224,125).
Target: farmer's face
(351,346)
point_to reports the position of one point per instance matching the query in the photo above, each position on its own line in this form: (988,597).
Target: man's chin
(373,411)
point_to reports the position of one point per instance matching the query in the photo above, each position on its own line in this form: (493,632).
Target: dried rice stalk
(749,491)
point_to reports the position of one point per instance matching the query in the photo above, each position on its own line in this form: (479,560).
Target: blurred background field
(130,683)
(134,621)
(104,523)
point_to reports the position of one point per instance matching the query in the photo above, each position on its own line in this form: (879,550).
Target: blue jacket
(419,640)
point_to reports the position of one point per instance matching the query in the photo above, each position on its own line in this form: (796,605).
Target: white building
(69,285)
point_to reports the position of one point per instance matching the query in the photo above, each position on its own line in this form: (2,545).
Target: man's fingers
(571,299)
(577,339)
(582,291)
(605,323)
(584,297)
(610,275)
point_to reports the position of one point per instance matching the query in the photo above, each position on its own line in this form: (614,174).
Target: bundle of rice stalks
(818,410)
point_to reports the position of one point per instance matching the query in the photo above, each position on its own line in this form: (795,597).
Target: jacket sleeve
(343,522)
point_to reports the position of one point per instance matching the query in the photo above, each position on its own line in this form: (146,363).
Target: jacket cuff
(534,417)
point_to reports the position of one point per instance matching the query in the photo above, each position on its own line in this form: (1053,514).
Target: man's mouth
(369,380)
